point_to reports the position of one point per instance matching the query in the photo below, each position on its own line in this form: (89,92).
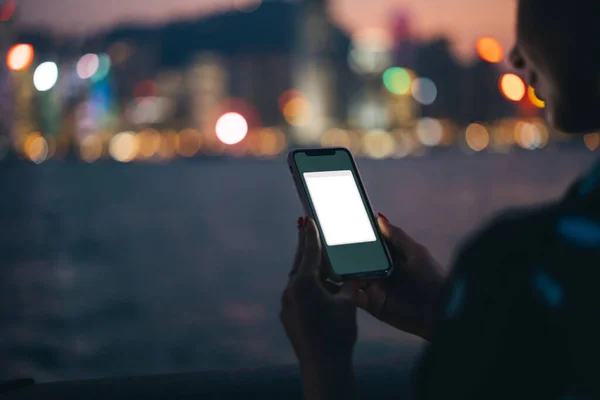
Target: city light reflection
(530,136)
(36,148)
(430,132)
(336,137)
(477,137)
(149,143)
(271,142)
(90,148)
(190,142)
(124,146)
(169,145)
(379,144)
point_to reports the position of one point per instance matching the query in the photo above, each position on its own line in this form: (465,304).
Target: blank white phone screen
(339,207)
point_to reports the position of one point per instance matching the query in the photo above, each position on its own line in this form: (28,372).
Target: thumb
(373,299)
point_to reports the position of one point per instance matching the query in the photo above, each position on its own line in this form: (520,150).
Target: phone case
(332,276)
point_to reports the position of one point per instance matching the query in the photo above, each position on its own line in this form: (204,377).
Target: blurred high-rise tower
(404,44)
(313,69)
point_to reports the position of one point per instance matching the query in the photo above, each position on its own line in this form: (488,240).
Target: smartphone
(333,194)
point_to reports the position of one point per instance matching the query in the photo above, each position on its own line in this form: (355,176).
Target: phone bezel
(308,209)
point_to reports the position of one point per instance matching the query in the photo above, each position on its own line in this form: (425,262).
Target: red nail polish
(384,217)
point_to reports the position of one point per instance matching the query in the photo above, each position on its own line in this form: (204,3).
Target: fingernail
(300,223)
(384,217)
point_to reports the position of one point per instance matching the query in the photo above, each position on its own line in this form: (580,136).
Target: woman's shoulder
(511,235)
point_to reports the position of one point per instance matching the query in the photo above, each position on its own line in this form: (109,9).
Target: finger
(395,235)
(311,257)
(376,299)
(362,300)
(348,291)
(299,248)
(331,288)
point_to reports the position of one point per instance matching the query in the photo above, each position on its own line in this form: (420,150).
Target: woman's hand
(407,298)
(320,325)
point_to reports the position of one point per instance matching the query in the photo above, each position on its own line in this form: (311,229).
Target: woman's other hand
(407,298)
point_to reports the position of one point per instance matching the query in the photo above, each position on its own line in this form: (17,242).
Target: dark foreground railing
(388,380)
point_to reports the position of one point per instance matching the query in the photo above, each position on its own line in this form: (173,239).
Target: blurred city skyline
(463,21)
(279,73)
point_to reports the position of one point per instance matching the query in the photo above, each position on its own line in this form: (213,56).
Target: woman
(518,317)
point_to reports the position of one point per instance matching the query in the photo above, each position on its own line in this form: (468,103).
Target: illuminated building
(260,79)
(207,81)
(313,68)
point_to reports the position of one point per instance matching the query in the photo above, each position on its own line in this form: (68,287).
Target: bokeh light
(90,148)
(231,128)
(536,101)
(287,96)
(124,146)
(52,145)
(477,137)
(336,137)
(7,10)
(297,111)
(149,142)
(87,66)
(512,87)
(502,134)
(45,76)
(271,142)
(19,57)
(397,80)
(190,141)
(379,144)
(592,141)
(530,135)
(169,145)
(489,49)
(405,144)
(36,148)
(429,132)
(424,91)
(103,70)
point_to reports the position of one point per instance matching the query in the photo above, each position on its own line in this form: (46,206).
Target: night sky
(463,20)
